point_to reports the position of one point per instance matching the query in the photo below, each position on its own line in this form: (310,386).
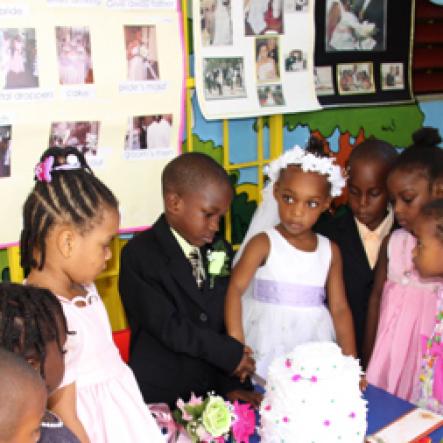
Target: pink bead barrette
(44,168)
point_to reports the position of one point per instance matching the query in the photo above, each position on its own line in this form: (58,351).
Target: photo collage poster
(363,51)
(254,57)
(106,77)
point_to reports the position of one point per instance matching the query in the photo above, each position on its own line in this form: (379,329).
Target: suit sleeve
(148,305)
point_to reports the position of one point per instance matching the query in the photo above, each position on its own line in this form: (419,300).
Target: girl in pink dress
(69,218)
(406,302)
(427,259)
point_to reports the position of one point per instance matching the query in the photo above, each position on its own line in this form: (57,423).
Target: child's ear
(173,202)
(65,241)
(437,188)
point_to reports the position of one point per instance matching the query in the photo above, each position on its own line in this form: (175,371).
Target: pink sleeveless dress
(407,312)
(109,403)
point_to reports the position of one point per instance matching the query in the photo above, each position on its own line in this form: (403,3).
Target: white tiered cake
(313,396)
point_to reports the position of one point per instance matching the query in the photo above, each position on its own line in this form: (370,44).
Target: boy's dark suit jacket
(357,274)
(178,344)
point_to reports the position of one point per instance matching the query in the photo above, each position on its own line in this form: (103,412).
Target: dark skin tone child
(195,215)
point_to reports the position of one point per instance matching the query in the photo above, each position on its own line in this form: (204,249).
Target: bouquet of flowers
(214,420)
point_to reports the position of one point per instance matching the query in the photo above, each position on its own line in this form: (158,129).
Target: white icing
(313,396)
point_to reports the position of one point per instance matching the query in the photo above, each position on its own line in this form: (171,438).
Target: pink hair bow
(43,170)
(436,351)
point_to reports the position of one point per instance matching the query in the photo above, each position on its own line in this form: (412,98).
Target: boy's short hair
(17,378)
(191,171)
(374,149)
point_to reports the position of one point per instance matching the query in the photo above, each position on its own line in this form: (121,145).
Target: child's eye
(408,199)
(313,204)
(352,190)
(375,193)
(288,199)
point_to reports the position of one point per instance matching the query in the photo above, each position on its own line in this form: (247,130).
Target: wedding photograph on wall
(270,95)
(18,58)
(223,78)
(296,61)
(324,84)
(216,22)
(355,25)
(74,55)
(141,53)
(296,5)
(266,59)
(357,78)
(82,135)
(392,76)
(149,132)
(263,17)
(5,151)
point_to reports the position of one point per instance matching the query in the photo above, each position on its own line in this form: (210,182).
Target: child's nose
(214,224)
(363,200)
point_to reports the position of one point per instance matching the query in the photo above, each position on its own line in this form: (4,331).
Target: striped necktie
(197,266)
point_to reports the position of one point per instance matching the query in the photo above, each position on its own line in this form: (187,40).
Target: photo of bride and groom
(216,23)
(355,25)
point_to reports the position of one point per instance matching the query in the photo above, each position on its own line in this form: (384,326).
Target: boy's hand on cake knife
(246,367)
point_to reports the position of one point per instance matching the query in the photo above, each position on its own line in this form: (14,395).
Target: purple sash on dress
(289,294)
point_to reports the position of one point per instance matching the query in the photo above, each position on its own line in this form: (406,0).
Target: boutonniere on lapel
(218,262)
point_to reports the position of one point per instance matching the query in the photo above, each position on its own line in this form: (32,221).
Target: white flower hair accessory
(308,162)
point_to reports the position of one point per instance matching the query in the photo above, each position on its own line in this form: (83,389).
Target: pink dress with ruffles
(109,403)
(407,312)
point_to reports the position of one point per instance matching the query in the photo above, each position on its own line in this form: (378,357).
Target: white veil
(266,215)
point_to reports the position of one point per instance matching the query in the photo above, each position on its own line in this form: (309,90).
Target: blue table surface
(383,408)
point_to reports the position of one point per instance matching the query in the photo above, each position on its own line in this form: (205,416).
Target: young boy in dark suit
(175,308)
(361,228)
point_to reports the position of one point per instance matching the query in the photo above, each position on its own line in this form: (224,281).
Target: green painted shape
(394,124)
(206,147)
(4,265)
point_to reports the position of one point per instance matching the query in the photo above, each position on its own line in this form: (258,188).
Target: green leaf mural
(394,124)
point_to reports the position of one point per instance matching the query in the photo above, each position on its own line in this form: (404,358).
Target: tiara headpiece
(308,162)
(44,168)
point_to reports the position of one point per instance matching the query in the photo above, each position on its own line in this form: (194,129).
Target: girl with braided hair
(69,220)
(32,325)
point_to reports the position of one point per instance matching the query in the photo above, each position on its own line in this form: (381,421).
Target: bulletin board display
(363,51)
(104,76)
(254,57)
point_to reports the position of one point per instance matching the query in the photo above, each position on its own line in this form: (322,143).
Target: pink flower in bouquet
(194,400)
(181,405)
(244,424)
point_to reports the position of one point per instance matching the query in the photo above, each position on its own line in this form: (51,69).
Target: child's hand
(252,397)
(246,367)
(363,383)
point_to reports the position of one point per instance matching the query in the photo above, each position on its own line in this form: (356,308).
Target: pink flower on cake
(296,377)
(288,363)
(244,423)
(314,379)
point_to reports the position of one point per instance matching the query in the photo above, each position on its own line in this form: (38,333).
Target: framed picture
(270,95)
(216,22)
(358,25)
(323,80)
(263,17)
(223,78)
(82,135)
(149,132)
(296,61)
(74,55)
(296,5)
(392,76)
(267,59)
(18,58)
(356,78)
(141,53)
(5,151)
